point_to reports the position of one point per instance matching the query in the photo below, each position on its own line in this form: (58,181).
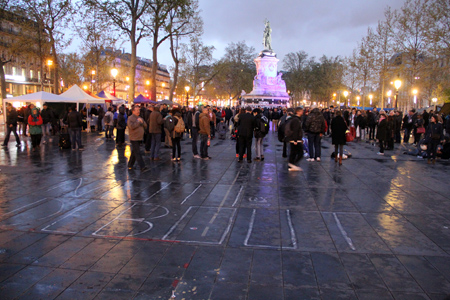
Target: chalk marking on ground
(62,207)
(23,207)
(185,199)
(238,196)
(76,190)
(291,228)
(176,224)
(66,216)
(157,192)
(344,233)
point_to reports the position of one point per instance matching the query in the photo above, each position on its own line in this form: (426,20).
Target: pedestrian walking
(261,130)
(136,126)
(315,128)
(121,126)
(434,135)
(74,123)
(382,131)
(338,130)
(47,121)
(108,119)
(35,122)
(155,122)
(246,126)
(11,125)
(294,135)
(205,133)
(176,134)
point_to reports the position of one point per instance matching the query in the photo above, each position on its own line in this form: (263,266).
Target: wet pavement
(79,225)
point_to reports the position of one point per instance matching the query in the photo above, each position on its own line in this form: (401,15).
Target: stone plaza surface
(79,225)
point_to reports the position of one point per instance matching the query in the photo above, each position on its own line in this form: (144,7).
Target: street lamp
(345,94)
(49,64)
(114,73)
(397,84)
(357,99)
(92,81)
(370,97)
(435,104)
(415,97)
(187,88)
(389,94)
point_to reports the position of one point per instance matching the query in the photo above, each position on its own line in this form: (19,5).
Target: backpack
(180,127)
(107,119)
(287,129)
(264,125)
(281,130)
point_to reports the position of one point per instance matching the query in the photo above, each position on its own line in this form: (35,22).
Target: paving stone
(87,286)
(330,272)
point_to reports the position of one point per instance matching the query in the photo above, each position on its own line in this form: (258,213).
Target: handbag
(420,130)
(348,136)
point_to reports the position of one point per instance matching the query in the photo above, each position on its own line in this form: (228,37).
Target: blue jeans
(194,133)
(155,145)
(314,145)
(75,137)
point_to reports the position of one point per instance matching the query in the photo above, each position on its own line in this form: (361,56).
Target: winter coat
(136,128)
(338,129)
(111,121)
(295,132)
(434,129)
(155,121)
(315,123)
(246,125)
(382,130)
(258,120)
(47,115)
(205,126)
(35,122)
(74,120)
(361,122)
(11,117)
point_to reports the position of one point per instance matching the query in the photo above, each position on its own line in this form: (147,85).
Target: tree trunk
(154,66)
(3,80)
(177,63)
(132,88)
(55,64)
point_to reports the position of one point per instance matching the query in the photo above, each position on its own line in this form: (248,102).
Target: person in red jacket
(35,122)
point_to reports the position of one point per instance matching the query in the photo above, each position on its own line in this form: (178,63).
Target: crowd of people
(300,130)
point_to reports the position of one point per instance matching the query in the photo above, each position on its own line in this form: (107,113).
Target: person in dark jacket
(338,139)
(397,127)
(419,123)
(408,124)
(315,127)
(35,123)
(11,125)
(101,114)
(74,122)
(433,135)
(294,135)
(121,126)
(246,126)
(260,133)
(360,124)
(136,128)
(47,121)
(372,123)
(382,131)
(389,144)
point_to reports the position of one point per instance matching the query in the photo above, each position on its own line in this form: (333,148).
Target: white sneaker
(197,156)
(379,153)
(295,168)
(318,159)
(310,159)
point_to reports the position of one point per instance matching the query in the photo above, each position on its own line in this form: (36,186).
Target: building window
(23,72)
(39,76)
(13,71)
(31,74)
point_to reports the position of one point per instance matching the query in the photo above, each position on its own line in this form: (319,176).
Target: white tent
(80,96)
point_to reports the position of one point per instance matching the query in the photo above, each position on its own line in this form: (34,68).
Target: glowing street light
(92,81)
(147,82)
(435,103)
(389,94)
(187,88)
(357,99)
(114,73)
(397,84)
(415,91)
(370,97)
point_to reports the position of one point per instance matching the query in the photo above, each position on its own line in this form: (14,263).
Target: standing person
(352,122)
(136,127)
(35,122)
(222,129)
(327,117)
(205,133)
(155,122)
(11,125)
(360,124)
(101,114)
(419,128)
(121,126)
(176,134)
(281,135)
(397,127)
(408,124)
(147,136)
(315,128)
(212,119)
(228,115)
(26,114)
(109,123)
(47,121)
(168,127)
(294,135)
(275,118)
(338,129)
(433,136)
(372,122)
(382,131)
(194,131)
(261,129)
(74,123)
(246,126)
(20,120)
(236,121)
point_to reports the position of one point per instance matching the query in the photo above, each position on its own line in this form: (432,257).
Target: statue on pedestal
(267,36)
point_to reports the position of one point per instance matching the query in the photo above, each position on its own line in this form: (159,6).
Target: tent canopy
(168,102)
(41,97)
(107,95)
(142,99)
(78,95)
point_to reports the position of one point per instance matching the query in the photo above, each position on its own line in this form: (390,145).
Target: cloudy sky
(330,27)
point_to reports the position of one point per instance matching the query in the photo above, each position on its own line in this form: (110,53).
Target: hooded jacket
(315,123)
(205,126)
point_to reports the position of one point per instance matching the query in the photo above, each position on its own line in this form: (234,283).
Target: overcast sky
(330,27)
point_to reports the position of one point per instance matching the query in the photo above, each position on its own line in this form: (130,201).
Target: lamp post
(49,64)
(397,84)
(345,95)
(357,99)
(370,97)
(92,81)
(414,91)
(389,94)
(435,104)
(187,88)
(114,73)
